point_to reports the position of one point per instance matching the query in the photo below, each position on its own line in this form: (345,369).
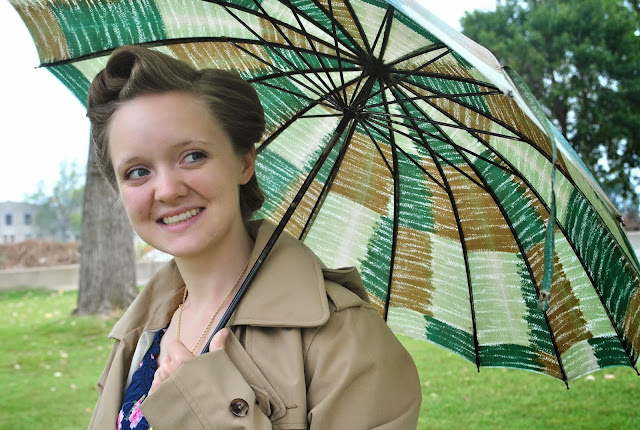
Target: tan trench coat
(307,351)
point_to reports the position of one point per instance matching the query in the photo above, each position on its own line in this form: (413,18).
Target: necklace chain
(213,317)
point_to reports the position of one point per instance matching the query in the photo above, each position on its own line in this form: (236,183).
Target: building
(17,221)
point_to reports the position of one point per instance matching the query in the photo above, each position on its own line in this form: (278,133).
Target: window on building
(27,219)
(8,219)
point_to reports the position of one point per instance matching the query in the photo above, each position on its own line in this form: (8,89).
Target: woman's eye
(136,173)
(194,156)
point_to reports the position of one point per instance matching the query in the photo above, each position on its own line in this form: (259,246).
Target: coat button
(239,407)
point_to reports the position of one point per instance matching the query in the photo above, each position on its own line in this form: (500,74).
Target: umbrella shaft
(342,126)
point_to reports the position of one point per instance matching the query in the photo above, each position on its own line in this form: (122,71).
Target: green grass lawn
(51,360)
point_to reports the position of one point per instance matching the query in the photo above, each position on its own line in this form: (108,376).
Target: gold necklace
(184,297)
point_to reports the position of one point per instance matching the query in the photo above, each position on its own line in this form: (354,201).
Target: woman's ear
(248,162)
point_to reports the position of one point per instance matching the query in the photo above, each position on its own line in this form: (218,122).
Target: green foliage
(59,213)
(581,59)
(52,360)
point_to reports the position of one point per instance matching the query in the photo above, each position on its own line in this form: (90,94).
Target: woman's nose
(169,186)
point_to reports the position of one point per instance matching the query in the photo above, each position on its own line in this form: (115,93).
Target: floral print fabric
(130,416)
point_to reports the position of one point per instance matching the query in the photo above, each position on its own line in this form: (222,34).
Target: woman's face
(178,174)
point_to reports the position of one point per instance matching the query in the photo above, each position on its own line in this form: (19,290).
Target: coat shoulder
(342,297)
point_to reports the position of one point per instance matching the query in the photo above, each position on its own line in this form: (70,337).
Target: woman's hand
(177,354)
(219,340)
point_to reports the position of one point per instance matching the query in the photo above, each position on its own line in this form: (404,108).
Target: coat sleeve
(359,376)
(212,393)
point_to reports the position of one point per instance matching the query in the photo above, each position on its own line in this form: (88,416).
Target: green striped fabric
(439,188)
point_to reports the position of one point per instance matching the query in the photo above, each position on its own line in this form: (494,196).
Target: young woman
(303,350)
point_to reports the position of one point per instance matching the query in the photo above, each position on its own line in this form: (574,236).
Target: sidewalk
(63,277)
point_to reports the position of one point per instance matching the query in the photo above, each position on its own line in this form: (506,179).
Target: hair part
(134,71)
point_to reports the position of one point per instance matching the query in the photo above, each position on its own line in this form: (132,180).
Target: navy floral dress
(130,416)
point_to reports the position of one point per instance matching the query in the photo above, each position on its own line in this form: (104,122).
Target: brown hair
(134,71)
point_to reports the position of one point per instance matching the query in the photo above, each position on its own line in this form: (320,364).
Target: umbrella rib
(386,23)
(577,254)
(325,97)
(181,41)
(417,53)
(337,164)
(279,228)
(455,145)
(480,93)
(520,136)
(626,346)
(496,201)
(266,77)
(524,258)
(423,144)
(414,162)
(329,182)
(387,33)
(396,209)
(449,142)
(329,115)
(287,74)
(461,79)
(339,58)
(276,25)
(474,132)
(377,145)
(265,42)
(317,54)
(463,244)
(356,22)
(284,126)
(564,232)
(272,20)
(336,24)
(417,71)
(328,101)
(400,77)
(384,85)
(457,126)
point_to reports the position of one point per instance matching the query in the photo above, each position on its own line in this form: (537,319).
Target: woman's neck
(210,276)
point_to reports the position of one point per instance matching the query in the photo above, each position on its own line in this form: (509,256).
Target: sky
(42,124)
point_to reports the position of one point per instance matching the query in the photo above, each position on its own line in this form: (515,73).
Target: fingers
(219,340)
(177,354)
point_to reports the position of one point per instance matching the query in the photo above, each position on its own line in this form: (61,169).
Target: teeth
(170,220)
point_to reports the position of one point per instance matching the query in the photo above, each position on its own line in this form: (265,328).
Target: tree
(581,60)
(107,262)
(58,213)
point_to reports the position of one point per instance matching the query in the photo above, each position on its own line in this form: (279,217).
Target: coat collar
(287,291)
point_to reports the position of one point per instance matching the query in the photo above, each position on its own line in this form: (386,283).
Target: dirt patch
(38,253)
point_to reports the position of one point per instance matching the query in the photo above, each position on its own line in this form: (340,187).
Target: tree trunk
(107,262)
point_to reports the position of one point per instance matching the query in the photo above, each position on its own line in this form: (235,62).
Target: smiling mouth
(172,220)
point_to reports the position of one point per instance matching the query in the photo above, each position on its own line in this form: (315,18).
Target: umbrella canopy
(407,151)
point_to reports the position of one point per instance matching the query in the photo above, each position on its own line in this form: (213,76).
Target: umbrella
(397,145)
